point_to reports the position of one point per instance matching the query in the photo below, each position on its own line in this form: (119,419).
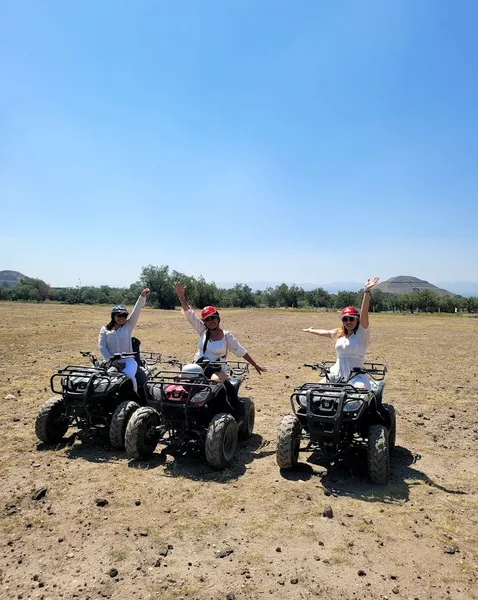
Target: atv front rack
(92,375)
(376,371)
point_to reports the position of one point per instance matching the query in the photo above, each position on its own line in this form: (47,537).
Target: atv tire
(51,423)
(141,437)
(378,455)
(392,430)
(247,426)
(288,442)
(221,440)
(119,421)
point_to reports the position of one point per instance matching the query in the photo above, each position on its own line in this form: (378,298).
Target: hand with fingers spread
(371,283)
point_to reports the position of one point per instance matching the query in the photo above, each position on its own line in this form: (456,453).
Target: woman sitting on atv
(115,338)
(214,342)
(352,340)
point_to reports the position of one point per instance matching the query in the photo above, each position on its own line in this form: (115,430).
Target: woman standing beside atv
(115,337)
(352,340)
(214,342)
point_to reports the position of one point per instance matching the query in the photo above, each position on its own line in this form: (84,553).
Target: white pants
(130,368)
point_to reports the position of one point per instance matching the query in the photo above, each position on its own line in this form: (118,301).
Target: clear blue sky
(307,141)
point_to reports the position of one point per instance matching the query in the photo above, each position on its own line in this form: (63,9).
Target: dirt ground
(174,528)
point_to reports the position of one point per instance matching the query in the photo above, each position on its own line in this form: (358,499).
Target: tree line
(199,293)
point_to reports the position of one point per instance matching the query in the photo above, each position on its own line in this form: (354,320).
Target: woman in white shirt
(352,340)
(214,342)
(115,338)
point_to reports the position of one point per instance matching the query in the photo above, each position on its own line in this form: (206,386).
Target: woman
(214,342)
(352,340)
(115,338)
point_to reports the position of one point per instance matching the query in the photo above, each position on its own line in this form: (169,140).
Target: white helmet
(191,371)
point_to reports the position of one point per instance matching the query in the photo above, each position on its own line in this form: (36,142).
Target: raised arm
(140,302)
(189,313)
(367,288)
(180,291)
(323,332)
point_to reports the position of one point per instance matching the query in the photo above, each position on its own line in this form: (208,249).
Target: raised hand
(145,292)
(180,289)
(371,283)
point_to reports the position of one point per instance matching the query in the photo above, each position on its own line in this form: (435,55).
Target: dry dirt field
(251,531)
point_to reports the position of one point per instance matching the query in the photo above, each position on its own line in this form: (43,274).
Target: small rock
(163,551)
(450,549)
(143,533)
(225,552)
(316,557)
(278,549)
(396,590)
(39,494)
(113,572)
(101,502)
(361,573)
(157,563)
(231,596)
(10,397)
(138,502)
(294,580)
(328,512)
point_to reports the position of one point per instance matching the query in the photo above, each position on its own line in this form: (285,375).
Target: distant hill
(404,284)
(10,279)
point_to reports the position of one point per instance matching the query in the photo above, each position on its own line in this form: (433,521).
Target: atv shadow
(347,476)
(191,463)
(92,445)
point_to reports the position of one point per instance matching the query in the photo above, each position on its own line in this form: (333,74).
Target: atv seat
(377,389)
(235,383)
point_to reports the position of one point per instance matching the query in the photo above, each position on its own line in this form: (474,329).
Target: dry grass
(252,507)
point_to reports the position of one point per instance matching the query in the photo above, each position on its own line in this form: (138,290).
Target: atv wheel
(288,442)
(378,454)
(221,440)
(142,436)
(119,421)
(51,423)
(247,427)
(392,430)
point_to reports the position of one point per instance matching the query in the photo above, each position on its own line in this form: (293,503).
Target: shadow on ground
(93,446)
(190,463)
(347,476)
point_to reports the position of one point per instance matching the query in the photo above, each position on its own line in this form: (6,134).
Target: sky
(240,140)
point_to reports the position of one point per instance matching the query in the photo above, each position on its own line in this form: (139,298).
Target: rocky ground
(83,521)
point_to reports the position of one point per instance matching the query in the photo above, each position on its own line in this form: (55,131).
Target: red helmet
(350,311)
(208,311)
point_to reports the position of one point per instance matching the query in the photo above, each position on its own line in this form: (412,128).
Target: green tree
(158,280)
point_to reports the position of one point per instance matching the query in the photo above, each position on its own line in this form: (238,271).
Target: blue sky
(308,141)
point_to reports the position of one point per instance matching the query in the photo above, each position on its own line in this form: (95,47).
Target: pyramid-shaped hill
(10,278)
(404,284)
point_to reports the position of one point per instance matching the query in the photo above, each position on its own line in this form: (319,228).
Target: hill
(10,278)
(404,284)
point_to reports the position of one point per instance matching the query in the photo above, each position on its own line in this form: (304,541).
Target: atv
(187,409)
(99,395)
(331,416)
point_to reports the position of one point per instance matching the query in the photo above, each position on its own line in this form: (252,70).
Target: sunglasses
(348,319)
(122,315)
(207,319)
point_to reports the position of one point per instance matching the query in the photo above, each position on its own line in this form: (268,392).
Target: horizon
(338,143)
(460,288)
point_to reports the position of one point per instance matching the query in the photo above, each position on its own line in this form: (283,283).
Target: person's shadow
(347,476)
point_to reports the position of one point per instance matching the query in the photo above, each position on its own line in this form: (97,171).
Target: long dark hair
(112,323)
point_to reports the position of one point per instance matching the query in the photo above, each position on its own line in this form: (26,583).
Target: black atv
(331,416)
(187,409)
(98,395)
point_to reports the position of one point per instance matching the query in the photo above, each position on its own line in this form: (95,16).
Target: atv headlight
(352,405)
(302,399)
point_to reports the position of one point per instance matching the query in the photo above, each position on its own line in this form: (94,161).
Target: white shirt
(215,350)
(350,352)
(118,341)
